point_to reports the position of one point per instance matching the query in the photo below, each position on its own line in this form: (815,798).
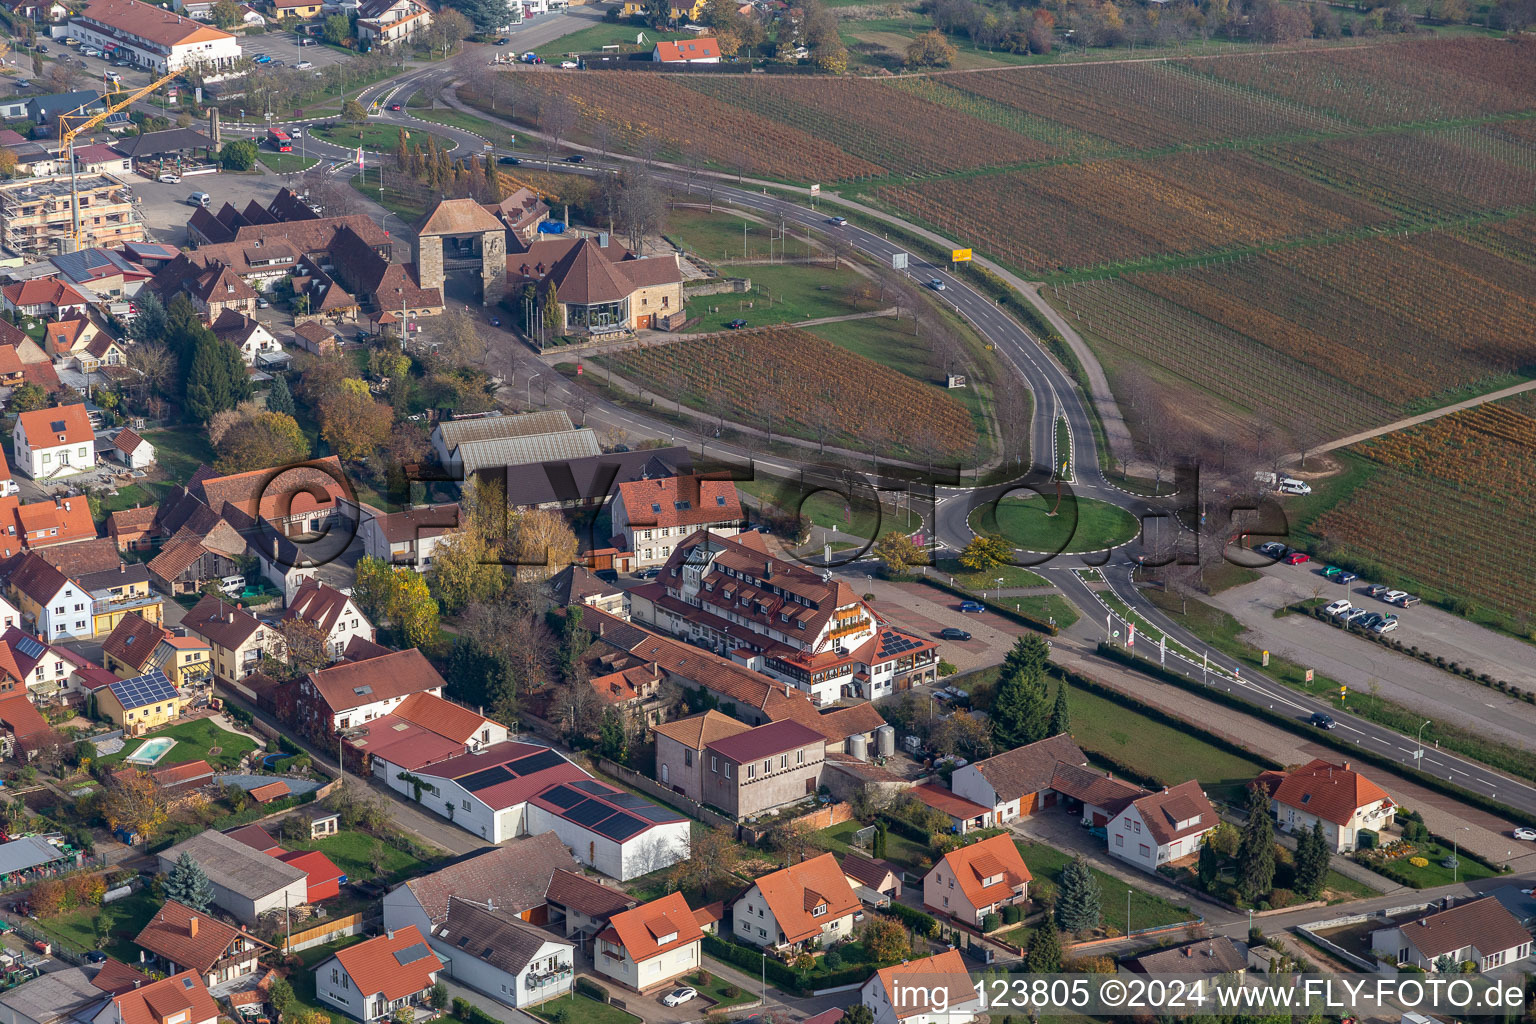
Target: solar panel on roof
(31,646)
(589,812)
(619,827)
(476,781)
(535,762)
(650,812)
(591,786)
(628,801)
(563,797)
(411,954)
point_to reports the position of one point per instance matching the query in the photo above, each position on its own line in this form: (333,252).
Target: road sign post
(1265,659)
(960,256)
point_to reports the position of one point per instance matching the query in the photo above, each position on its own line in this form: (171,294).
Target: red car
(1296,558)
(394,106)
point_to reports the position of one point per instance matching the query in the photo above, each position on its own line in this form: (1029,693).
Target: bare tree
(557,116)
(153,365)
(767,409)
(581,401)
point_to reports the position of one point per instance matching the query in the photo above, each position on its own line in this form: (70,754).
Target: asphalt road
(1055,396)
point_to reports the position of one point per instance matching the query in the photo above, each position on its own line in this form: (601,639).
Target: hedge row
(1356,751)
(469,1013)
(783,977)
(923,924)
(1022,618)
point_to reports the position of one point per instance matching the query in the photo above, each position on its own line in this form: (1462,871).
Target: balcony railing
(111,604)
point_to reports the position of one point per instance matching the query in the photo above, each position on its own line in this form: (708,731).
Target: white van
(232,585)
(200,199)
(1290,485)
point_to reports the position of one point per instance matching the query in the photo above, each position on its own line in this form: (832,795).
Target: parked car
(1330,571)
(1274,549)
(1336,608)
(503,41)
(1376,590)
(96,956)
(1346,577)
(1406,601)
(22,83)
(1386,625)
(263,304)
(951,633)
(1391,596)
(1526,834)
(680,996)
(1297,557)
(648,574)
(1321,720)
(1369,621)
(303,65)
(170,179)
(575,158)
(43,47)
(737,324)
(568,64)
(1354,615)
(972,606)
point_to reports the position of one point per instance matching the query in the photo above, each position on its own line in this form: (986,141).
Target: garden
(1417,858)
(199,739)
(1146,910)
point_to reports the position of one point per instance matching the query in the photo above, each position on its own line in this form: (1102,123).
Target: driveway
(1366,667)
(924,611)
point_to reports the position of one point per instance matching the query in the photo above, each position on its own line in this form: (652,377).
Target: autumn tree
(264,440)
(886,940)
(986,552)
(460,340)
(898,553)
(27,397)
(134,804)
(542,543)
(353,424)
(465,570)
(794,841)
(304,646)
(711,865)
(963,734)
(399,595)
(353,112)
(931,50)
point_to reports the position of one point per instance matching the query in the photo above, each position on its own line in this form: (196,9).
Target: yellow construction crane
(88,122)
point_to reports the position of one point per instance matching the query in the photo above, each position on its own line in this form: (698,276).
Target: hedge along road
(1055,396)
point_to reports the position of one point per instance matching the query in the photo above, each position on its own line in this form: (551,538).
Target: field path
(1413,421)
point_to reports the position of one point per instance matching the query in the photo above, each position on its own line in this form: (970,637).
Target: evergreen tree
(1061,713)
(612,737)
(551,309)
(235,371)
(279,398)
(208,386)
(1044,956)
(493,187)
(149,323)
(1077,903)
(880,833)
(402,150)
(1256,850)
(1021,708)
(1209,868)
(188,885)
(1312,857)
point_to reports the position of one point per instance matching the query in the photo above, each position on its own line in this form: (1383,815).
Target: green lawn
(858,518)
(128,496)
(1344,884)
(898,848)
(973,579)
(721,234)
(779,295)
(1435,873)
(409,205)
(194,741)
(1044,606)
(180,450)
(380,138)
(353,853)
(715,989)
(1027,523)
(584,1010)
(1147,910)
(122,919)
(286,163)
(594,38)
(303,978)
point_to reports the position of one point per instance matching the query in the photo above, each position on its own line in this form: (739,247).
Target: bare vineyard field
(1467,479)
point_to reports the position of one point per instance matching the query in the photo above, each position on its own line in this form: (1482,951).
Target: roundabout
(1068,525)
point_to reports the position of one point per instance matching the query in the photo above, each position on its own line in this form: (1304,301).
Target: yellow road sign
(960,256)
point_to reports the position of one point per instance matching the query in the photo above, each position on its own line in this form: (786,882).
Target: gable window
(727,769)
(714,763)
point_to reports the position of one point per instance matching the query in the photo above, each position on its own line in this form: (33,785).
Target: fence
(822,817)
(719,286)
(352,924)
(1307,930)
(691,807)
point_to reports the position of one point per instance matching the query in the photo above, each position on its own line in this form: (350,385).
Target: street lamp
(1128,912)
(530,391)
(1418,755)
(1000,588)
(1456,853)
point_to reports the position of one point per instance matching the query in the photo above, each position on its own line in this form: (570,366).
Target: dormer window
(819,910)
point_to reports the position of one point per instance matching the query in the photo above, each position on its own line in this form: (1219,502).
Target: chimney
(231,615)
(122,567)
(1346,766)
(192,926)
(1188,952)
(602,239)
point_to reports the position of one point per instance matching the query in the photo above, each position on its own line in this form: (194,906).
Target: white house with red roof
(49,297)
(704,50)
(1335,794)
(334,614)
(54,443)
(796,904)
(779,618)
(1162,827)
(651,517)
(977,880)
(650,945)
(934,990)
(375,978)
(351,693)
(132,450)
(179,999)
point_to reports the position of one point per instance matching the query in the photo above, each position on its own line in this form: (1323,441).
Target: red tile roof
(172,933)
(679,501)
(154,1002)
(576,891)
(254,836)
(153,23)
(117,977)
(1163,812)
(43,426)
(935,795)
(354,684)
(42,291)
(376,970)
(654,928)
(1333,792)
(935,986)
(792,894)
(319,868)
(440,716)
(271,791)
(995,858)
(767,740)
(1482,923)
(688,49)
(317,604)
(403,744)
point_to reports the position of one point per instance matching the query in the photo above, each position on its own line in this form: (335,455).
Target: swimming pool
(151,751)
